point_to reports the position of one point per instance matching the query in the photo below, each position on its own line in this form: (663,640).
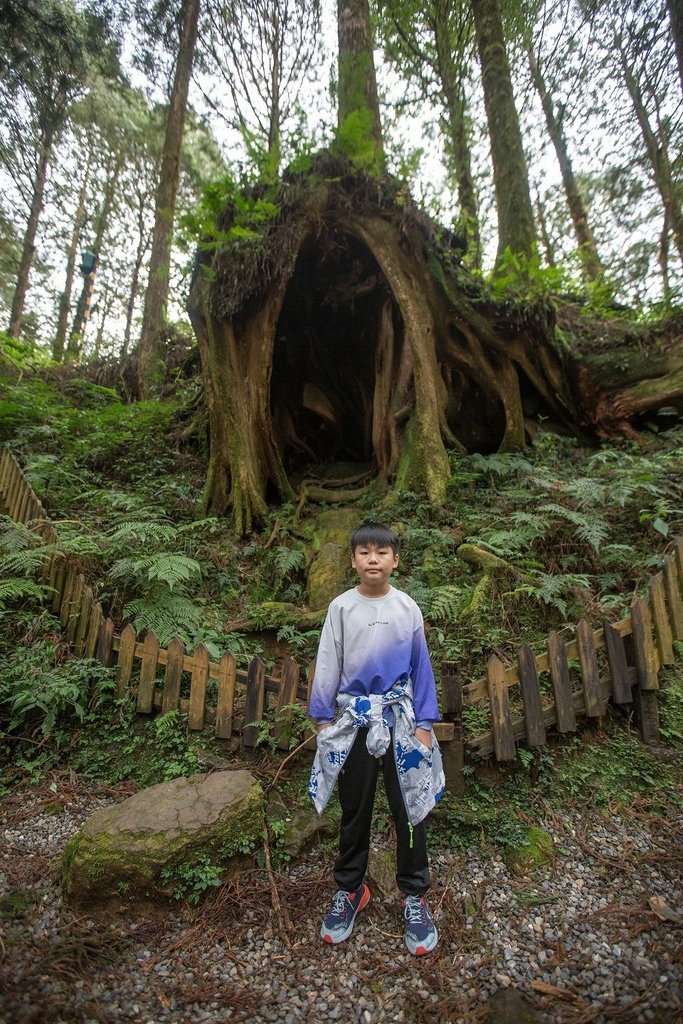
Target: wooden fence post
(678,550)
(289,685)
(75,607)
(65,602)
(645,694)
(200,675)
(618,666)
(226,696)
(255,703)
(84,613)
(453,751)
(558,664)
(660,620)
(531,697)
(148,673)
(93,630)
(590,673)
(105,643)
(673,596)
(173,676)
(501,722)
(124,665)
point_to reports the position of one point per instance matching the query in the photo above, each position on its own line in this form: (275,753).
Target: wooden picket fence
(618,663)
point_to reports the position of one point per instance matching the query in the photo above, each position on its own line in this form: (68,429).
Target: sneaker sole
(335,940)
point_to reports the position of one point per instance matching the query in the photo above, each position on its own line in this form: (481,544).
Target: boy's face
(374,564)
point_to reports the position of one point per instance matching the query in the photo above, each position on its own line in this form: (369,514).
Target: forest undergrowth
(527,541)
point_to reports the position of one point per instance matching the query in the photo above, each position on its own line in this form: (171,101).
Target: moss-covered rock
(328,572)
(539,849)
(297,828)
(134,848)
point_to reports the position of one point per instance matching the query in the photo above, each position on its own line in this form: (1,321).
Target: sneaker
(421,933)
(340,919)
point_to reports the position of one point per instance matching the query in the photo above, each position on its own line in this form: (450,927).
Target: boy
(373,668)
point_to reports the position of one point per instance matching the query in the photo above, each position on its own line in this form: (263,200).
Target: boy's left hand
(424,736)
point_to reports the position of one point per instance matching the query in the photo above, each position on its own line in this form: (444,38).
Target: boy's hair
(375,533)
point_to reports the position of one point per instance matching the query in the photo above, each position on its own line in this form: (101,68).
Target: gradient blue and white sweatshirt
(367,644)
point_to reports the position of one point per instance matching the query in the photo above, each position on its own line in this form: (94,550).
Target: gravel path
(595,937)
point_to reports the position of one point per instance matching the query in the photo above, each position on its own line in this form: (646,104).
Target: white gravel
(596,936)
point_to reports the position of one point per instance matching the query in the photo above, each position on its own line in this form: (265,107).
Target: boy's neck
(380,591)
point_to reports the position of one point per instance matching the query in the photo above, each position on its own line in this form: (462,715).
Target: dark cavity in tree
(325,354)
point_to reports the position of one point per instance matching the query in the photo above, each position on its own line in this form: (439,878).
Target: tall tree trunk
(546,241)
(75,345)
(585,239)
(676,26)
(516,229)
(274,112)
(663,257)
(143,239)
(72,252)
(658,156)
(107,301)
(29,245)
(150,349)
(457,142)
(358,103)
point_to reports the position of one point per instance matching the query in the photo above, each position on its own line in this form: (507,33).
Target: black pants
(357,784)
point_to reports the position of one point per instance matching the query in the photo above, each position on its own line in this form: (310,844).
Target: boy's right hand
(324,725)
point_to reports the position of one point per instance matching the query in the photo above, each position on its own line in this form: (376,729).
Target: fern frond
(447,602)
(15,589)
(551,589)
(164,566)
(168,615)
(15,536)
(502,464)
(288,560)
(139,531)
(591,529)
(23,563)
(195,525)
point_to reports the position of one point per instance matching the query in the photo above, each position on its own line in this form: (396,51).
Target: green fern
(447,602)
(287,561)
(16,589)
(590,529)
(167,615)
(519,536)
(140,531)
(502,464)
(551,589)
(167,567)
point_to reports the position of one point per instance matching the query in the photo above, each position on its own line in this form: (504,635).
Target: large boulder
(151,842)
(329,571)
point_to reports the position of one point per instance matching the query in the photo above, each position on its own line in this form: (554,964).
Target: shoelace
(339,902)
(414,910)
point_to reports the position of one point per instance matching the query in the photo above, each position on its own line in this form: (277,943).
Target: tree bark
(390,349)
(143,241)
(29,244)
(357,101)
(516,230)
(658,157)
(150,348)
(457,142)
(588,250)
(72,253)
(676,27)
(75,345)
